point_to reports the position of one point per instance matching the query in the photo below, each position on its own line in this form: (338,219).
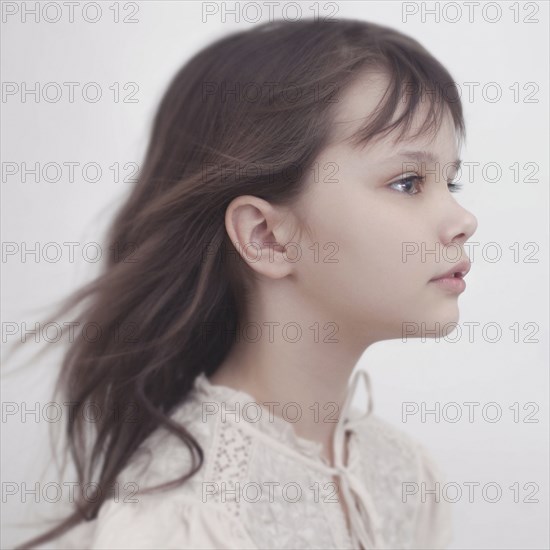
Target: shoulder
(173,517)
(166,520)
(160,521)
(164,455)
(401,472)
(390,458)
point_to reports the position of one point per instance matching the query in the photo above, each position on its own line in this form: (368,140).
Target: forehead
(360,101)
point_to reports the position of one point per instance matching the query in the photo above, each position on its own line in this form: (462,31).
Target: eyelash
(453,187)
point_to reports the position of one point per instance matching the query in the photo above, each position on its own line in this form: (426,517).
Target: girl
(294,175)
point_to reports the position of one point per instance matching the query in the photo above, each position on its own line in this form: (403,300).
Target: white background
(489,49)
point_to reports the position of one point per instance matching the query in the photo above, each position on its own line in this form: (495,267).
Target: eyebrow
(425,157)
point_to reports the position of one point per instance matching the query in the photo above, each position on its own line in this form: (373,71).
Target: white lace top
(263,486)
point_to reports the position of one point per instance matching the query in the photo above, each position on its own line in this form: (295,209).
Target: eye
(414,181)
(408,183)
(455,187)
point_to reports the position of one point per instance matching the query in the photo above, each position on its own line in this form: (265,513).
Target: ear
(259,232)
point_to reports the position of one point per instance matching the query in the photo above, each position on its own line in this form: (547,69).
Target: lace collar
(216,397)
(366,527)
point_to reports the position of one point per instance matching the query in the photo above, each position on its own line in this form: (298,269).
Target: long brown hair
(246,115)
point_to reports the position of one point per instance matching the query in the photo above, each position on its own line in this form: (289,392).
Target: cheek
(376,249)
(361,268)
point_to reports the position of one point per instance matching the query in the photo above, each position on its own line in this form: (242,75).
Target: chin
(446,324)
(448,327)
(430,327)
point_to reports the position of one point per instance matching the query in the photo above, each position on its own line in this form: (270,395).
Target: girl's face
(391,233)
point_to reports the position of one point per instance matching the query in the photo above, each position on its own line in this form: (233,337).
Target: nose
(460,226)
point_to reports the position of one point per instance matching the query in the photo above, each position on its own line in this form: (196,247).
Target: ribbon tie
(364,520)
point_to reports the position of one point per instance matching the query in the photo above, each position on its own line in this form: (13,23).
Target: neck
(296,362)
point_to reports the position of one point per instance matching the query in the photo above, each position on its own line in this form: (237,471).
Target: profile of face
(376,234)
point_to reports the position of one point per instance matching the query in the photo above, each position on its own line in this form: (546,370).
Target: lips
(459,271)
